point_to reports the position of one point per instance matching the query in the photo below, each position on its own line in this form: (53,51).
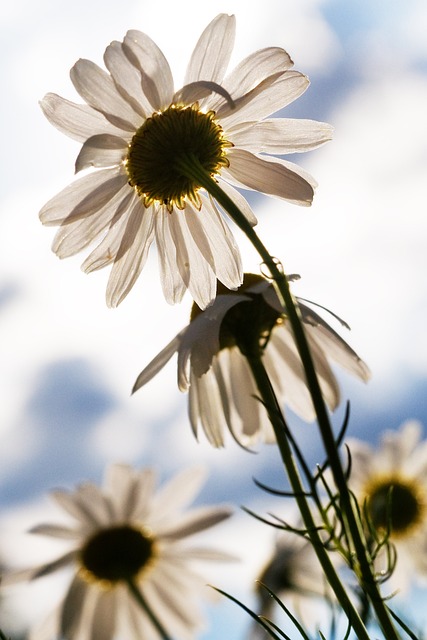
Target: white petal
(172,284)
(334,346)
(72,608)
(282,136)
(239,201)
(73,237)
(59,563)
(193,267)
(78,121)
(194,521)
(251,71)
(83,196)
(106,251)
(176,494)
(101,151)
(273,177)
(282,348)
(104,617)
(127,79)
(76,508)
(248,407)
(210,412)
(212,53)
(97,88)
(270,95)
(131,255)
(156,76)
(216,243)
(158,362)
(56,531)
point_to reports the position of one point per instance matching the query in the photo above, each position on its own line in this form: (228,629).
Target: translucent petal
(273,177)
(172,283)
(127,79)
(195,271)
(153,367)
(239,200)
(97,88)
(131,255)
(105,253)
(212,52)
(216,243)
(270,95)
(73,237)
(101,151)
(78,121)
(83,197)
(194,521)
(334,346)
(104,616)
(282,136)
(72,608)
(176,494)
(156,76)
(250,72)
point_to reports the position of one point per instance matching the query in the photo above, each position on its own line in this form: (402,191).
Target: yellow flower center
(396,504)
(158,146)
(116,554)
(248,324)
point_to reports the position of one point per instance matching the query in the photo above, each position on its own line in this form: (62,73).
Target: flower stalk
(191,167)
(139,598)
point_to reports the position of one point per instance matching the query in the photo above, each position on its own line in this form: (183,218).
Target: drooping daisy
(213,368)
(137,131)
(127,531)
(391,482)
(293,573)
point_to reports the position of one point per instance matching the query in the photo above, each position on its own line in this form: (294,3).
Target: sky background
(68,363)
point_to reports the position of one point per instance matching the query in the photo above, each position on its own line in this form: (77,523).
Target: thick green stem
(193,169)
(136,593)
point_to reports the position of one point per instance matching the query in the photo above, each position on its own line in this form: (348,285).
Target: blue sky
(68,362)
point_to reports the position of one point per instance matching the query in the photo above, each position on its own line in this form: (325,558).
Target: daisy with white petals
(390,482)
(128,532)
(213,368)
(141,136)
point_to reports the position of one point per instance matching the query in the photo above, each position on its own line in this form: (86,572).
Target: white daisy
(127,531)
(293,573)
(391,483)
(137,130)
(213,368)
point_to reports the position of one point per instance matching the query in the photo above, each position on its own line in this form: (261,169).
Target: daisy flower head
(294,574)
(149,149)
(124,532)
(390,482)
(213,367)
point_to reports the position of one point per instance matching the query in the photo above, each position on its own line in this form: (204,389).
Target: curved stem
(192,167)
(271,404)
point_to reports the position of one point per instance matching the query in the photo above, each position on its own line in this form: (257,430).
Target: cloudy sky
(68,363)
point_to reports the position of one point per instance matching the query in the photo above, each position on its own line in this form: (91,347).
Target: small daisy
(213,368)
(392,482)
(137,132)
(127,531)
(293,573)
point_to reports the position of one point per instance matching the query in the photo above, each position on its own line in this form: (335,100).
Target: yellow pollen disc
(161,142)
(395,503)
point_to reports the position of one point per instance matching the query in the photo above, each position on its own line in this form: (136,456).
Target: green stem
(192,167)
(136,593)
(269,399)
